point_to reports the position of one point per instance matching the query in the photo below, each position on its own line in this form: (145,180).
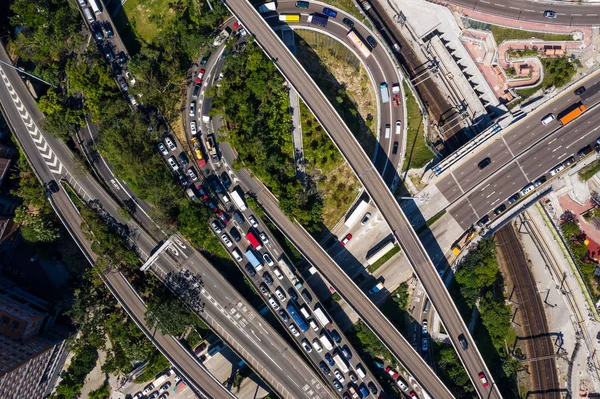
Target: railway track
(543,374)
(439,109)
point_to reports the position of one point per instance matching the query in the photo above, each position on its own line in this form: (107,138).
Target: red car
(412,394)
(484,380)
(236,26)
(346,239)
(392,373)
(200,76)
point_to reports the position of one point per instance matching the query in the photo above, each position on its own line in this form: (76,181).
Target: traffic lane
(568,14)
(389,208)
(247,328)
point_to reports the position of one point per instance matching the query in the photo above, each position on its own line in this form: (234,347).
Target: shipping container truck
(256,264)
(321,316)
(289,17)
(374,256)
(95,7)
(396,95)
(237,198)
(291,308)
(253,240)
(191,194)
(569,116)
(385,92)
(317,19)
(267,7)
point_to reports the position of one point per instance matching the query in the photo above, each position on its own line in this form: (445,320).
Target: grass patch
(337,184)
(417,153)
(502,34)
(435,218)
(589,171)
(73,196)
(148,17)
(383,259)
(349,7)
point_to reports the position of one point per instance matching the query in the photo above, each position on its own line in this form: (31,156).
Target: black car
(336,337)
(250,270)
(284,316)
(579,91)
(348,22)
(483,221)
(371,41)
(484,162)
(215,183)
(183,159)
(108,29)
(569,161)
(267,277)
(98,34)
(292,293)
(117,69)
(584,151)
(121,57)
(500,209)
(395,149)
(372,388)
(463,341)
(235,234)
(53,186)
(226,180)
(539,181)
(324,368)
(203,61)
(346,352)
(264,289)
(514,198)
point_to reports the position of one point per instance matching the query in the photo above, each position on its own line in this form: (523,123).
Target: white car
(317,345)
(226,240)
(193,108)
(557,169)
(132,100)
(274,302)
(193,128)
(163,150)
(398,127)
(130,78)
(424,326)
(253,221)
(277,273)
(527,189)
(263,237)
(294,330)
(402,384)
(192,175)
(170,144)
(280,294)
(338,375)
(306,345)
(173,163)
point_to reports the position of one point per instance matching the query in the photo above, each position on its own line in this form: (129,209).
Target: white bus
(94,7)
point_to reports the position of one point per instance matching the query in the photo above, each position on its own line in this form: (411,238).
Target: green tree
(478,271)
(167,313)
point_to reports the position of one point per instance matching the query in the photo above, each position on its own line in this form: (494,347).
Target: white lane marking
(557,148)
(500,5)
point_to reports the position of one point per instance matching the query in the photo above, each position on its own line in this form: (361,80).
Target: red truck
(396,95)
(253,240)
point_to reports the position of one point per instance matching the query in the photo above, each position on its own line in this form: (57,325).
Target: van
(238,216)
(304,311)
(307,297)
(302,4)
(236,255)
(360,371)
(326,342)
(547,119)
(88,15)
(427,305)
(387,131)
(196,92)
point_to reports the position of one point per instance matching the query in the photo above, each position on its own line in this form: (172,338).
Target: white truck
(267,7)
(237,198)
(321,316)
(326,342)
(341,363)
(220,39)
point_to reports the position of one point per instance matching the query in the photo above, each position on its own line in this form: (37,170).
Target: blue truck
(297,317)
(257,264)
(317,19)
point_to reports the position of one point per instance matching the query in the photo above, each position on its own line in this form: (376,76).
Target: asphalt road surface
(521,155)
(569,13)
(53,160)
(390,210)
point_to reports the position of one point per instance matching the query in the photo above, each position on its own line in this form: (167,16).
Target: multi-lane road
(282,368)
(392,213)
(520,155)
(568,13)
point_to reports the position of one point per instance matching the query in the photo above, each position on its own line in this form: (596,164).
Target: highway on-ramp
(394,216)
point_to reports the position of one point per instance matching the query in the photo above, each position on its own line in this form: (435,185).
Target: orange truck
(569,116)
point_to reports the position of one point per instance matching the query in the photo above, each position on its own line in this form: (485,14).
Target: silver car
(163,150)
